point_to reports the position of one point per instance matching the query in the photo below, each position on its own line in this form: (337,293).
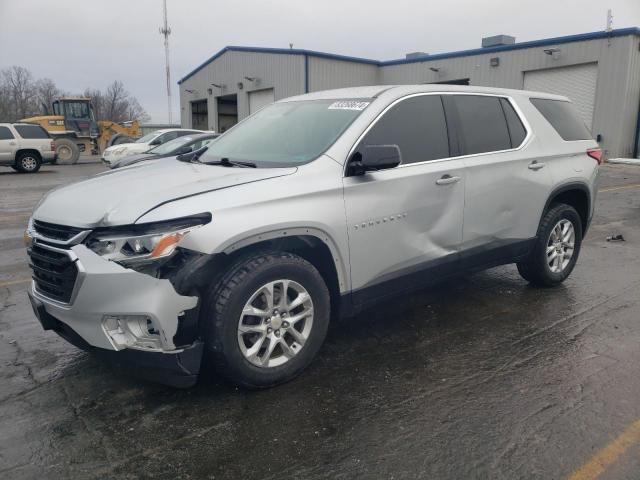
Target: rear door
(506,189)
(405,223)
(8,146)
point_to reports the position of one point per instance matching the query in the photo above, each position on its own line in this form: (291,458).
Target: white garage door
(260,98)
(578,82)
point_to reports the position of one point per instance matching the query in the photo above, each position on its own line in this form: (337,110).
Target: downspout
(636,144)
(306,73)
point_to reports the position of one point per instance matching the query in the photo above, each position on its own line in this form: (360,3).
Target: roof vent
(412,55)
(498,40)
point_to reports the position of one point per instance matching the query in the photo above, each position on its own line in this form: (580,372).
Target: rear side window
(416,125)
(564,118)
(517,131)
(482,124)
(5,133)
(31,131)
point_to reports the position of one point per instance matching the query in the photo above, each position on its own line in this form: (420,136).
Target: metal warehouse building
(599,71)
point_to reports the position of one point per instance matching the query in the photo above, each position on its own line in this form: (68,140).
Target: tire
(27,162)
(541,267)
(223,315)
(67,150)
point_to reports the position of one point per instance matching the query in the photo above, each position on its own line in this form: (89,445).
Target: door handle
(12,143)
(536,165)
(447,180)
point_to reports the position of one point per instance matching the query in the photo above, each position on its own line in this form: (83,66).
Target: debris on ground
(615,238)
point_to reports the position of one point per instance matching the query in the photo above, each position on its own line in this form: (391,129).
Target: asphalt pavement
(480,377)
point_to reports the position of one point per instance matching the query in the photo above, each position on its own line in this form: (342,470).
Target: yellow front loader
(74,129)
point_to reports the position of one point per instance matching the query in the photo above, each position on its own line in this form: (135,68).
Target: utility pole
(609,21)
(166,31)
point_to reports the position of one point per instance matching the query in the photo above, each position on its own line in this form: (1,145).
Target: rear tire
(67,150)
(556,248)
(262,350)
(28,162)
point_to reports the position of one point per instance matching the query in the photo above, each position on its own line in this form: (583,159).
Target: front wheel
(266,319)
(556,249)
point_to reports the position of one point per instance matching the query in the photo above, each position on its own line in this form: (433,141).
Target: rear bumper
(178,370)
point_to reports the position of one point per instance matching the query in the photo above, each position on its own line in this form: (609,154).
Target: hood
(135,158)
(120,197)
(127,149)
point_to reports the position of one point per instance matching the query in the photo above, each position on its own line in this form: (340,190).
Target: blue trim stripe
(440,56)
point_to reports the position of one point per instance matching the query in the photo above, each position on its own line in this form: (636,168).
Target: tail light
(596,154)
(53,146)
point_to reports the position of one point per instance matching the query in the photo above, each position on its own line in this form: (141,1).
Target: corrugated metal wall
(616,98)
(612,119)
(283,73)
(325,74)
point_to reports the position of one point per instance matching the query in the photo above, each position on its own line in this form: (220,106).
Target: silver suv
(314,207)
(25,147)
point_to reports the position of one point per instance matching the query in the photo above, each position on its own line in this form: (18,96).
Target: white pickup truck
(25,147)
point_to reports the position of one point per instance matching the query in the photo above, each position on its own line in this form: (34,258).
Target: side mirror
(373,158)
(185,149)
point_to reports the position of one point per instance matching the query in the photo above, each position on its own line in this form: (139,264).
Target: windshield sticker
(348,105)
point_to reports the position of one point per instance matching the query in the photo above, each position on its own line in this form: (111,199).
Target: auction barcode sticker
(348,105)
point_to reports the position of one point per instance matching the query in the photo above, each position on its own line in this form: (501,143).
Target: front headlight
(143,243)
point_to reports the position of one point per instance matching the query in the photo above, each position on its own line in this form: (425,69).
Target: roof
(402,90)
(439,56)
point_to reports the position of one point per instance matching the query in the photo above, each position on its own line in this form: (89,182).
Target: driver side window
(416,125)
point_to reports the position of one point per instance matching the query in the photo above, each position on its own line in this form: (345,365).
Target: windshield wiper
(225,162)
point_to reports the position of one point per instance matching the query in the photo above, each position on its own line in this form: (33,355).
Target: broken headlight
(143,243)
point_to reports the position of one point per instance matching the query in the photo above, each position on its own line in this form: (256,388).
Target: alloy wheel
(561,245)
(275,323)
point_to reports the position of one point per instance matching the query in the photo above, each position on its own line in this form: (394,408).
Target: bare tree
(19,92)
(21,96)
(46,92)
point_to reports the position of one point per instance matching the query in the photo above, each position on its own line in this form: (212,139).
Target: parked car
(315,207)
(25,147)
(144,143)
(177,146)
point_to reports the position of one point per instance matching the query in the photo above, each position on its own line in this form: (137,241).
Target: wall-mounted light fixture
(434,69)
(494,61)
(553,52)
(189,91)
(250,79)
(240,85)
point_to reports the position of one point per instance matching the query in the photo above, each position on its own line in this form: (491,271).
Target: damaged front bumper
(128,318)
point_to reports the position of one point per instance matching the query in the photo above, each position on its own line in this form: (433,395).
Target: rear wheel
(557,247)
(67,150)
(27,162)
(266,319)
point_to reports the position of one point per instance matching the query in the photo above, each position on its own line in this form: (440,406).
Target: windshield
(286,134)
(171,145)
(147,138)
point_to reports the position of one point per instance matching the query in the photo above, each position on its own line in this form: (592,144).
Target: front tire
(556,249)
(28,163)
(266,319)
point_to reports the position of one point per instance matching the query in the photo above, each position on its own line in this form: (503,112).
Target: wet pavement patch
(480,377)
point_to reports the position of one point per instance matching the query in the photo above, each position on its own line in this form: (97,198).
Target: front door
(405,223)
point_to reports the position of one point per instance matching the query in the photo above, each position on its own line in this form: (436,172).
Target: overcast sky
(84,43)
